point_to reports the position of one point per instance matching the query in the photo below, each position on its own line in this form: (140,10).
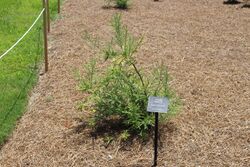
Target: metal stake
(156,139)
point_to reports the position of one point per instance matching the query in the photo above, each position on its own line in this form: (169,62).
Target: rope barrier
(23,34)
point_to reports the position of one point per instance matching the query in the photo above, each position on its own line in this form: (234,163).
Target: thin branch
(140,76)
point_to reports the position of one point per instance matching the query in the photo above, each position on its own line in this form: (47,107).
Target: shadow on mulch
(231,2)
(106,7)
(246,6)
(157,0)
(235,2)
(110,130)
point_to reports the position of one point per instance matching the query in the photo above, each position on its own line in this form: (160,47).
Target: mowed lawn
(18,69)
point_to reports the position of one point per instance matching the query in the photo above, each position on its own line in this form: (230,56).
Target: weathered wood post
(45,34)
(59,6)
(48,15)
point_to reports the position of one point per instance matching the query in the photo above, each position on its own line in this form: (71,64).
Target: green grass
(19,68)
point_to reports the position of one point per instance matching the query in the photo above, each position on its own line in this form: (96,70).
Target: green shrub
(121,92)
(122,4)
(86,84)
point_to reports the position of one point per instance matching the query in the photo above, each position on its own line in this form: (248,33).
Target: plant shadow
(110,130)
(231,2)
(246,6)
(114,128)
(110,7)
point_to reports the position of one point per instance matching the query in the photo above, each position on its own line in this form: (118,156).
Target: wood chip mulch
(206,46)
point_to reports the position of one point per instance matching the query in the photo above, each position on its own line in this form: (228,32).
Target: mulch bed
(206,46)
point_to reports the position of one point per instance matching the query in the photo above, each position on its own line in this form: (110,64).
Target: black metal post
(156,139)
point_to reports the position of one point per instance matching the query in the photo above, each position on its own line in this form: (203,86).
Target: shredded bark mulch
(206,46)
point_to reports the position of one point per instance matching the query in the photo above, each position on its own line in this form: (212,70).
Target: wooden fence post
(45,34)
(59,6)
(48,15)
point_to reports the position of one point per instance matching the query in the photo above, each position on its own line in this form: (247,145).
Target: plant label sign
(158,104)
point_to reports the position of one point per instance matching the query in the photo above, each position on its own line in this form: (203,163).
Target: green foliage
(124,135)
(122,4)
(88,81)
(122,91)
(108,139)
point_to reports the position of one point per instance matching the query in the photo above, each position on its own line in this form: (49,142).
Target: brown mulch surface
(206,46)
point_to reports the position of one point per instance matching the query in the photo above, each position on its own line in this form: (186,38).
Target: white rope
(23,35)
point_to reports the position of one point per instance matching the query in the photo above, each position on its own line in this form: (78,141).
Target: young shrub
(122,4)
(122,91)
(86,84)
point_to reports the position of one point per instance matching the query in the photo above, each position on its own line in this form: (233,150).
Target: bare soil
(206,46)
